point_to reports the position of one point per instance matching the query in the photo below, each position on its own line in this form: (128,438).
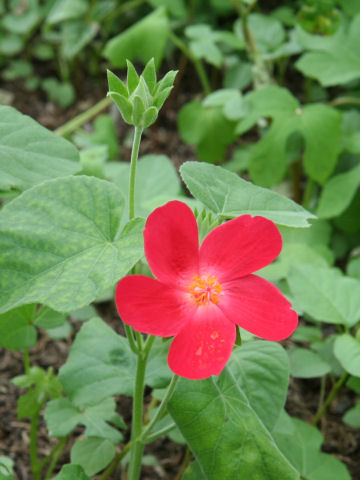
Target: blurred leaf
(105,134)
(156,182)
(352,416)
(334,62)
(11,44)
(300,443)
(63,10)
(353,267)
(93,161)
(49,318)
(267,31)
(307,364)
(16,330)
(31,154)
(60,243)
(22,20)
(145,39)
(177,8)
(101,363)
(207,128)
(62,93)
(93,454)
(307,334)
(71,472)
(228,195)
(347,351)
(349,220)
(203,43)
(75,36)
(338,193)
(325,294)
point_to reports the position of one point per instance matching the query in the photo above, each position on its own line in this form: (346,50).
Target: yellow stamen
(204,290)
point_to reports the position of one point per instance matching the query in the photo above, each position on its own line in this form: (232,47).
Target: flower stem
(137,447)
(163,431)
(308,193)
(26,361)
(160,411)
(134,156)
(55,455)
(112,467)
(35,465)
(322,410)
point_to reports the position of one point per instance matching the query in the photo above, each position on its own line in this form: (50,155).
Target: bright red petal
(150,306)
(203,346)
(259,307)
(239,247)
(171,243)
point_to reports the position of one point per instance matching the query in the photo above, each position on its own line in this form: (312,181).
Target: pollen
(204,289)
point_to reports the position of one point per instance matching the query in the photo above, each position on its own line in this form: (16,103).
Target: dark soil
(340,440)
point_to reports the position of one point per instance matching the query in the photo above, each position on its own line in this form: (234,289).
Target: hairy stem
(54,456)
(134,156)
(35,465)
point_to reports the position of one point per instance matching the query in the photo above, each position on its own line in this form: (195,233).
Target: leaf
(76,34)
(156,182)
(229,196)
(31,154)
(301,443)
(49,318)
(16,331)
(203,43)
(145,39)
(93,454)
(72,472)
(101,363)
(65,10)
(307,364)
(267,31)
(325,294)
(352,416)
(334,62)
(62,417)
(224,432)
(347,351)
(207,128)
(60,244)
(262,363)
(338,193)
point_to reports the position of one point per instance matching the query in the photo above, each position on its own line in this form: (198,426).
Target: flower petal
(150,306)
(203,346)
(259,307)
(239,247)
(172,244)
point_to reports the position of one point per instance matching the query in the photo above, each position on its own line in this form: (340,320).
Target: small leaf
(138,110)
(124,106)
(132,78)
(149,117)
(149,75)
(116,85)
(166,82)
(93,454)
(347,351)
(352,416)
(16,331)
(161,97)
(72,472)
(307,364)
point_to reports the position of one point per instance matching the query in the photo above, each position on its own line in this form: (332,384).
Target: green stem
(112,467)
(54,456)
(196,61)
(308,193)
(130,336)
(79,120)
(160,433)
(26,361)
(123,8)
(345,101)
(35,465)
(160,411)
(322,410)
(134,156)
(137,447)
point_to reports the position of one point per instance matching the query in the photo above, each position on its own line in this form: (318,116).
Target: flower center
(204,290)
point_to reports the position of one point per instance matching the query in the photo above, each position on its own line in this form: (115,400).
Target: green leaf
(132,78)
(93,454)
(300,443)
(62,93)
(347,351)
(62,417)
(145,39)
(115,84)
(352,416)
(138,110)
(49,318)
(224,432)
(338,193)
(60,244)
(65,10)
(325,294)
(16,331)
(149,75)
(101,363)
(76,34)
(22,20)
(31,154)
(149,117)
(194,472)
(124,106)
(156,182)
(72,472)
(307,364)
(207,128)
(261,370)
(203,43)
(335,61)
(228,195)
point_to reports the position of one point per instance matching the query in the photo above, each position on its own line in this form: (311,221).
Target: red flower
(201,293)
